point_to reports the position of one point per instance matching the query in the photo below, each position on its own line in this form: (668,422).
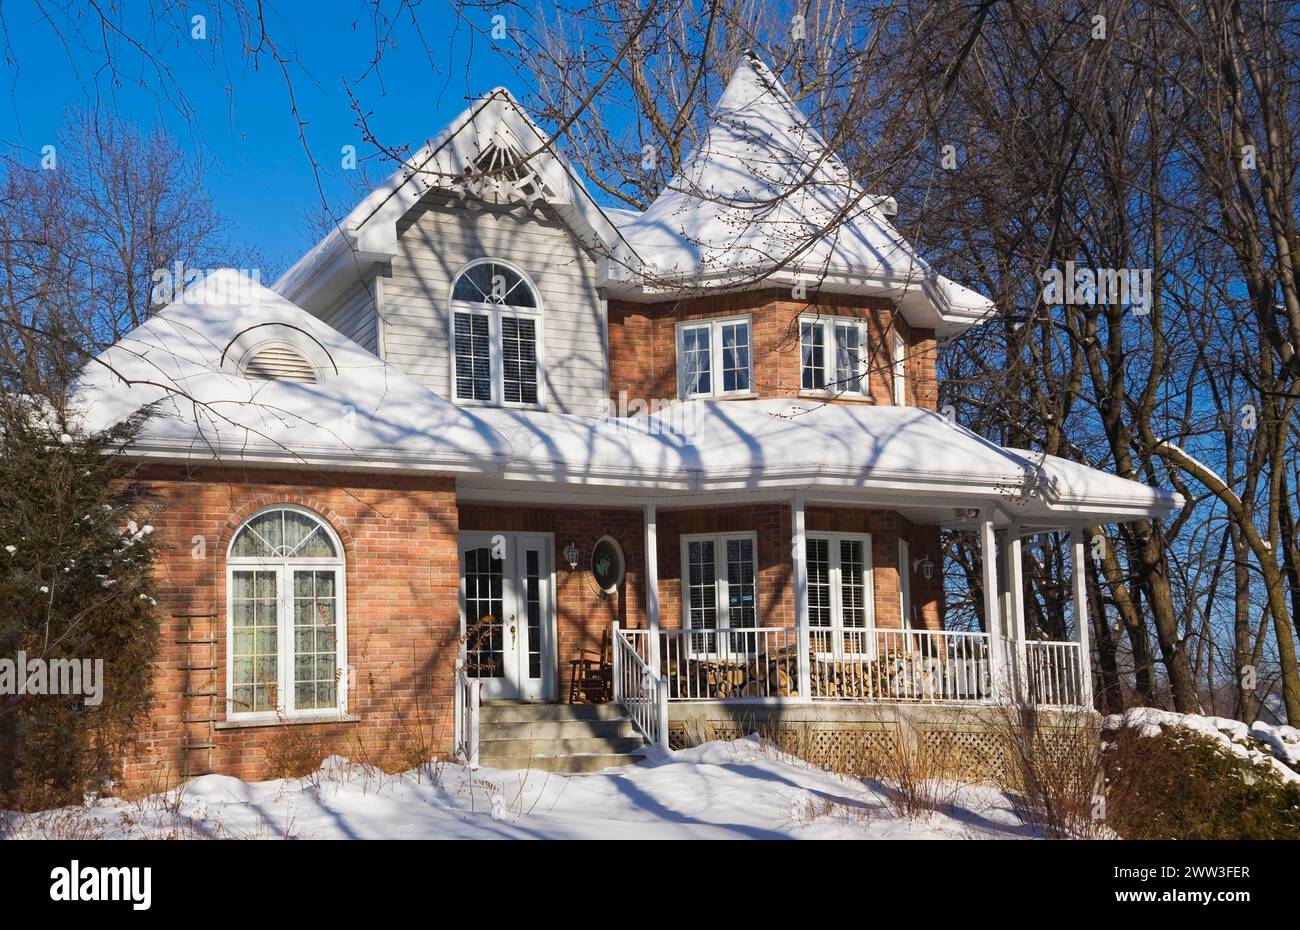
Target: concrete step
(511,712)
(568,764)
(489,747)
(557,729)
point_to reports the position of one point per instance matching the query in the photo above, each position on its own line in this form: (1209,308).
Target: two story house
(498,470)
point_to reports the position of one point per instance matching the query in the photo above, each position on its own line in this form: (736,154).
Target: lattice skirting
(970,752)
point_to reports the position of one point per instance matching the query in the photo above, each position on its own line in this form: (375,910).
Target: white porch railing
(1054,673)
(757,662)
(926,666)
(642,692)
(845,664)
(468,699)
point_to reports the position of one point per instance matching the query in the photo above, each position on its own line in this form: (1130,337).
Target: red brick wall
(643,343)
(403,625)
(400,537)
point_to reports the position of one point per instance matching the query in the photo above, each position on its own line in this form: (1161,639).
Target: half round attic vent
(279,363)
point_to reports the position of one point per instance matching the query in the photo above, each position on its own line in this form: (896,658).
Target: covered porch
(788,555)
(814,659)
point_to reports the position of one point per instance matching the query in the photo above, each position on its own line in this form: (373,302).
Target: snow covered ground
(738,790)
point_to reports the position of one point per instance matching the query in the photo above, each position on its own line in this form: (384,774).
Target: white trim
(714,325)
(496,343)
(905,582)
(835,579)
(241,349)
(1079,587)
(992,602)
(512,597)
(722,609)
(650,525)
(898,368)
(284,567)
(829,326)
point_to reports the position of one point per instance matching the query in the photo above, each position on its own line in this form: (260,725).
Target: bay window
(833,355)
(714,358)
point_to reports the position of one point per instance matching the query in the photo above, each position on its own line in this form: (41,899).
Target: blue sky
(236,115)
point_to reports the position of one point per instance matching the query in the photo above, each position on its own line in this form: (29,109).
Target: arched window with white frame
(496,337)
(286,630)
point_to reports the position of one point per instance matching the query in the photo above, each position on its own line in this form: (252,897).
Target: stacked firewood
(772,675)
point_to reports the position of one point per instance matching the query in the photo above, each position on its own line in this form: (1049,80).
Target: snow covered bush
(76,596)
(1183,776)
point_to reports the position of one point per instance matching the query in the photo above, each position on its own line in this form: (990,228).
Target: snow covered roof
(185,363)
(762,201)
(344,408)
(763,197)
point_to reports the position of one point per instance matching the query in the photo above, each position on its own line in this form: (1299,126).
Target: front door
(506,614)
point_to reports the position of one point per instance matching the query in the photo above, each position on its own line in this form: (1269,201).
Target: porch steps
(568,738)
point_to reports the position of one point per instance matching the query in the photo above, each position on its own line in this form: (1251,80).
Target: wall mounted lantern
(571,554)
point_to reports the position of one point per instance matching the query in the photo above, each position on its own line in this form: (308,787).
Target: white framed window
(715,358)
(286,626)
(905,582)
(720,591)
(840,594)
(496,337)
(833,355)
(898,356)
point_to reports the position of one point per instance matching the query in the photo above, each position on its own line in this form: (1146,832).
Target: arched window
(496,327)
(286,642)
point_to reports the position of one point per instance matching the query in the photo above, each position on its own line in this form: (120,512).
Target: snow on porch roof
(764,198)
(894,448)
(186,363)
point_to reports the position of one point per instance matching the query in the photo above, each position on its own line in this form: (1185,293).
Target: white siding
(436,241)
(353,314)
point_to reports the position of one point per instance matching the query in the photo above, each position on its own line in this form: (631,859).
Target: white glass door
(507,614)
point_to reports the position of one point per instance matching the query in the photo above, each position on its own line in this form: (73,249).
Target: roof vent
(279,363)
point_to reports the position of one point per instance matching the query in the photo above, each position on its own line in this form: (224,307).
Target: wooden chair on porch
(592,681)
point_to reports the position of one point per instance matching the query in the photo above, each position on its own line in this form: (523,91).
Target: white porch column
(799,553)
(652,585)
(992,603)
(1078,559)
(1016,600)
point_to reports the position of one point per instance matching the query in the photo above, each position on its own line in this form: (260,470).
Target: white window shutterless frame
(286,618)
(496,340)
(715,358)
(720,592)
(507,614)
(833,356)
(841,594)
(898,351)
(905,582)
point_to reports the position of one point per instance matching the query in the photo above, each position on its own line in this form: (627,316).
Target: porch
(813,662)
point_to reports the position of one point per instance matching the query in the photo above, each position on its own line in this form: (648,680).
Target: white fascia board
(363,460)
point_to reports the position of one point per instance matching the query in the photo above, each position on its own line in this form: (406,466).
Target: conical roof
(764,190)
